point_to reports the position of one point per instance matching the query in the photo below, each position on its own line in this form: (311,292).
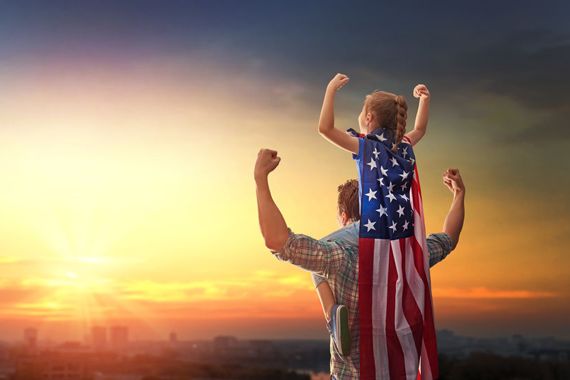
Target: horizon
(128,134)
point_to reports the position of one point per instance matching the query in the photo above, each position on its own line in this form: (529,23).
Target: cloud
(482,292)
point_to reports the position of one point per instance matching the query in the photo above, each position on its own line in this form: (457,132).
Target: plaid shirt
(337,261)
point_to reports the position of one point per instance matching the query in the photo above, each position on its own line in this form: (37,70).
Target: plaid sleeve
(317,280)
(439,246)
(321,257)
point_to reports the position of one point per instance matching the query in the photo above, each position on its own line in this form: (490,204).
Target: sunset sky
(129,129)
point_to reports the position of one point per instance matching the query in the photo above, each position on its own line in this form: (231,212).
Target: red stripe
(411,309)
(395,352)
(429,326)
(365,272)
(416,197)
(417,178)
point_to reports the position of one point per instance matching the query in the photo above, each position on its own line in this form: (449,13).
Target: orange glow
(129,195)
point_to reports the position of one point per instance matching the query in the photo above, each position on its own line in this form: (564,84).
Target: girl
(380,110)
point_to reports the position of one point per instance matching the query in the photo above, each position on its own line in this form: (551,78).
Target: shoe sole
(342,328)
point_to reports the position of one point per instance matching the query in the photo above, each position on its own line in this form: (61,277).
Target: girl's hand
(421,91)
(337,82)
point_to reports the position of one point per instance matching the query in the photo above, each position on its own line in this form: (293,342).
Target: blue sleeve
(360,150)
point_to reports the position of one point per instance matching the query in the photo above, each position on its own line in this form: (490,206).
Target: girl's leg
(336,315)
(326,297)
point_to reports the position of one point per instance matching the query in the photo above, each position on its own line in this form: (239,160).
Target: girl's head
(384,110)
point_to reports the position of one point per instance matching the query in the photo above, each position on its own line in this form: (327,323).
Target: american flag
(397,331)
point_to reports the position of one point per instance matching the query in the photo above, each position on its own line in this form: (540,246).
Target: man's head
(348,205)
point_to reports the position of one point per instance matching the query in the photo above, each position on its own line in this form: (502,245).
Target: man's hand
(452,179)
(337,82)
(421,91)
(267,161)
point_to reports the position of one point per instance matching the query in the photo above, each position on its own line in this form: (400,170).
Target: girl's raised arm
(420,127)
(326,120)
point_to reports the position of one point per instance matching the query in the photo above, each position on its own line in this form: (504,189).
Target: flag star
(406,225)
(375,153)
(393,227)
(412,160)
(391,187)
(381,181)
(391,197)
(405,152)
(404,197)
(394,162)
(370,225)
(394,146)
(381,137)
(404,185)
(404,175)
(400,211)
(372,163)
(371,194)
(382,211)
(384,171)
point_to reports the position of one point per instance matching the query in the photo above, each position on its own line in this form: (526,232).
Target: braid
(401,115)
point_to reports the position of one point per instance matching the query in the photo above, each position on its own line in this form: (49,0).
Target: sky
(129,130)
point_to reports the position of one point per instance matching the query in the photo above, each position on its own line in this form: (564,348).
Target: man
(337,259)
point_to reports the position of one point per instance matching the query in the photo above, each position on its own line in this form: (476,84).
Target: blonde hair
(390,111)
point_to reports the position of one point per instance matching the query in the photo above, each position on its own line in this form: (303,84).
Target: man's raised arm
(441,244)
(271,221)
(321,257)
(453,223)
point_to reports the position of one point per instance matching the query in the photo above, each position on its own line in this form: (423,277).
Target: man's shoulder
(347,235)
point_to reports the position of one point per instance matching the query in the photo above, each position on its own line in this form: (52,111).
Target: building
(99,338)
(173,338)
(31,338)
(119,337)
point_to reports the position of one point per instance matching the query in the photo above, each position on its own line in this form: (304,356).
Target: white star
(406,225)
(391,197)
(384,171)
(394,162)
(391,187)
(404,185)
(372,163)
(412,160)
(382,211)
(393,227)
(404,197)
(404,175)
(375,153)
(370,225)
(371,194)
(400,211)
(394,146)
(381,181)
(381,137)
(405,152)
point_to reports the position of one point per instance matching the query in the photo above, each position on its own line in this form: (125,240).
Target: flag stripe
(379,295)
(365,283)
(395,353)
(429,328)
(411,308)
(409,321)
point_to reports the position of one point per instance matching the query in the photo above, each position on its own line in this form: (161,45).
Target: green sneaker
(338,328)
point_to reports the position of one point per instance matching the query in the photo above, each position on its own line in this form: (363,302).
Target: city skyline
(128,134)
